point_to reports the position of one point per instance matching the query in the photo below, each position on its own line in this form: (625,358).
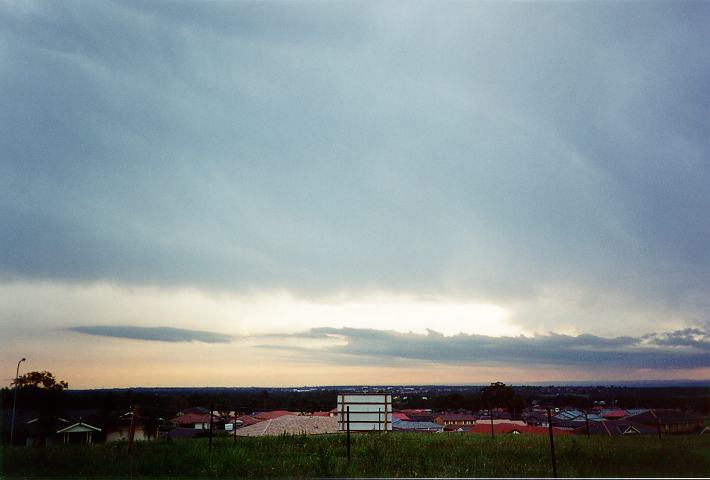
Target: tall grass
(373,455)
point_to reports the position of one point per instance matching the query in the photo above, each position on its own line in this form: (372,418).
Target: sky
(327,193)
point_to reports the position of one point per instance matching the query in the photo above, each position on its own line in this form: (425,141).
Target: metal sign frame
(368,412)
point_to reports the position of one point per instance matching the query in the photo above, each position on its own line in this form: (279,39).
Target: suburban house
(273,414)
(514,429)
(43,432)
(669,421)
(613,414)
(248,420)
(400,416)
(78,432)
(141,431)
(613,428)
(455,419)
(199,421)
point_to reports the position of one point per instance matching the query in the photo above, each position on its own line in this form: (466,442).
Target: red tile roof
(503,428)
(192,418)
(248,420)
(400,416)
(273,414)
(456,417)
(614,413)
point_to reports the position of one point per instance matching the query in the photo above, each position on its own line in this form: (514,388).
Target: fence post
(347,423)
(552,443)
(586,421)
(234,427)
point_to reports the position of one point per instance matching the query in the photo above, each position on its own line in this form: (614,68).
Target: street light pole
(14,401)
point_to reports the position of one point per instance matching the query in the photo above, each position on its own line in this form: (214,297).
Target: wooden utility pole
(552,443)
(132,428)
(490,413)
(234,427)
(211,422)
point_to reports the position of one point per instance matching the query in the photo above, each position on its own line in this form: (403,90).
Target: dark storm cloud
(157,334)
(367,346)
(482,150)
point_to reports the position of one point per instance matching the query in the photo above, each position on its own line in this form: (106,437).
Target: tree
(42,392)
(41,380)
(498,394)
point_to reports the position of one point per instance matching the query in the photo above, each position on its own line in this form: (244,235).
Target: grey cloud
(479,150)
(655,351)
(688,337)
(157,334)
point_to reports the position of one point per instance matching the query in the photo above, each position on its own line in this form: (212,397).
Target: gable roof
(503,428)
(452,417)
(290,425)
(400,416)
(613,428)
(665,417)
(192,418)
(273,414)
(420,417)
(34,427)
(79,427)
(248,420)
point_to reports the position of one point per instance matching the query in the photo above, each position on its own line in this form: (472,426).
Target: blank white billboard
(368,412)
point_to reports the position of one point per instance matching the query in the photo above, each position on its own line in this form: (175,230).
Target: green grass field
(391,455)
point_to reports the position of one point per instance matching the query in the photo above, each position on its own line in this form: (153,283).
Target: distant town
(167,414)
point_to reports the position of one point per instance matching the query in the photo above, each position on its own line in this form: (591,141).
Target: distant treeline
(167,402)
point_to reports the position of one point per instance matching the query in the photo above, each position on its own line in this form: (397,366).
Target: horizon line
(600,383)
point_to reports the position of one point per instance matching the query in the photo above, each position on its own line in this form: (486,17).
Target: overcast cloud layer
(550,158)
(684,349)
(681,349)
